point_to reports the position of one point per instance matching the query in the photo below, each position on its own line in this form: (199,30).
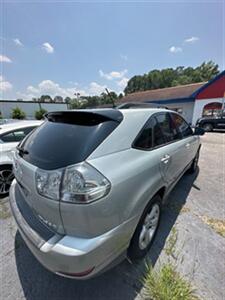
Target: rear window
(66,139)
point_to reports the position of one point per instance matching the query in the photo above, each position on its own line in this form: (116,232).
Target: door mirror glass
(199,131)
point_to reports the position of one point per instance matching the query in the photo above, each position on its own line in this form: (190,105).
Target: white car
(10,135)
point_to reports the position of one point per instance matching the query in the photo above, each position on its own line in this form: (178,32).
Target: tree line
(154,79)
(169,77)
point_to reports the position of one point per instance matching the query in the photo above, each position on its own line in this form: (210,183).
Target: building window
(212,109)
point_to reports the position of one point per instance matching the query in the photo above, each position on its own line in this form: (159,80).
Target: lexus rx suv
(89,184)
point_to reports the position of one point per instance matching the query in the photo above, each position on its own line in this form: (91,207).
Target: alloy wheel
(6,178)
(149,227)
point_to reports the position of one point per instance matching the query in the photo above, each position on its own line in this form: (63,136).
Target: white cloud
(113,75)
(4,58)
(49,87)
(47,47)
(191,40)
(4,85)
(18,42)
(124,57)
(95,88)
(123,82)
(174,49)
(32,89)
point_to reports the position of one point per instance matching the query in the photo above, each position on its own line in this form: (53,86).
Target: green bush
(166,284)
(39,114)
(17,113)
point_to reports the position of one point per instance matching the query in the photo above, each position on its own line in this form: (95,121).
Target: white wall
(28,107)
(186,107)
(199,105)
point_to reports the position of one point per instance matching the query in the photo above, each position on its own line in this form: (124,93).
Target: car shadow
(121,282)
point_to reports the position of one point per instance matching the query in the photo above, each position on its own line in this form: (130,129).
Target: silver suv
(90,184)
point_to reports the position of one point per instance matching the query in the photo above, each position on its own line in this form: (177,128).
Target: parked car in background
(89,185)
(11,133)
(211,123)
(6,121)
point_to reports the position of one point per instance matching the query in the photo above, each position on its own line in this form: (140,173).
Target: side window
(16,135)
(182,125)
(145,139)
(168,129)
(158,138)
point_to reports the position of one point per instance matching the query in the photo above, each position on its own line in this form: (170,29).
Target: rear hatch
(64,139)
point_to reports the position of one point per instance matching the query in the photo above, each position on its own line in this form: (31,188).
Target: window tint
(66,140)
(181,125)
(158,138)
(159,130)
(16,135)
(167,127)
(145,139)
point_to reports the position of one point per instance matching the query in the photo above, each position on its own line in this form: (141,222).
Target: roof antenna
(111,98)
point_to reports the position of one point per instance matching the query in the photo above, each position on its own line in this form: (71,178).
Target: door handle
(187,145)
(165,159)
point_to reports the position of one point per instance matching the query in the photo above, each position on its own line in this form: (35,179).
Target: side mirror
(199,131)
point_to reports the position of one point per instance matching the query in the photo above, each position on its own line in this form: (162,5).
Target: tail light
(80,183)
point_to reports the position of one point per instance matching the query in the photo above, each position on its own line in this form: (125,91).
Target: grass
(171,242)
(215,224)
(166,284)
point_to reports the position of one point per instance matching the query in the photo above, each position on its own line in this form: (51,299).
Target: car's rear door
(170,153)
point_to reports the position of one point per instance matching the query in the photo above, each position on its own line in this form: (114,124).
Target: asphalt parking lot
(190,236)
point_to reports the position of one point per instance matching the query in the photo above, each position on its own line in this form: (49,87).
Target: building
(192,100)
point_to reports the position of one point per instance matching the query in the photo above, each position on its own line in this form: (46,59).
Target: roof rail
(128,105)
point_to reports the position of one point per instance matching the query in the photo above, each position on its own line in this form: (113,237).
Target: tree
(45,98)
(106,98)
(17,113)
(120,96)
(156,79)
(67,100)
(74,104)
(58,99)
(39,114)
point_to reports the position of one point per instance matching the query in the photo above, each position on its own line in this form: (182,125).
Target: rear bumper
(71,256)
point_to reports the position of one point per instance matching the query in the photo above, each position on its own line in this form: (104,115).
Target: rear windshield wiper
(21,150)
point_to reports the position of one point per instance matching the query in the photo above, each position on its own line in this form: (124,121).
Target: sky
(63,48)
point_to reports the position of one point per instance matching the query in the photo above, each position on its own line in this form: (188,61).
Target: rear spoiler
(85,117)
(128,105)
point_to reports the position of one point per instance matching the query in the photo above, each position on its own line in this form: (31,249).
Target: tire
(207,127)
(141,241)
(194,164)
(6,178)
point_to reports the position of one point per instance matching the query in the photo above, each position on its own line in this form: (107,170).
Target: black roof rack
(128,105)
